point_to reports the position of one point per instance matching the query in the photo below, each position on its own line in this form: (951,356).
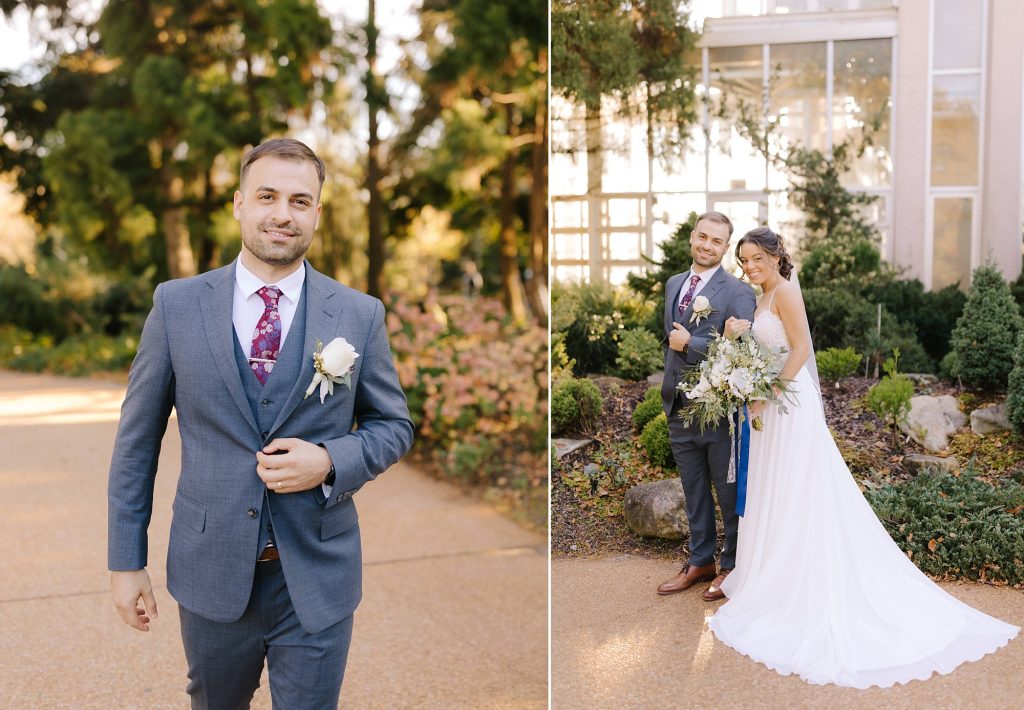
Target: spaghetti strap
(772,297)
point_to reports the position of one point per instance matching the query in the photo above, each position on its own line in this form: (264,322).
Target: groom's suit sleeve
(384,430)
(144,414)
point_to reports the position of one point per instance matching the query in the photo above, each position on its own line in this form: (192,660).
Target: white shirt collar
(705,276)
(291,285)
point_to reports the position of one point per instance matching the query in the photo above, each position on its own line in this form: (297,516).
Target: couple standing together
(815,585)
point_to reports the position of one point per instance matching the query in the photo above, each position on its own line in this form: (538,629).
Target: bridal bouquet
(735,372)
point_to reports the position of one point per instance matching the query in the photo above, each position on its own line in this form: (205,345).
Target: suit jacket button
(251,512)
(265,434)
(341,497)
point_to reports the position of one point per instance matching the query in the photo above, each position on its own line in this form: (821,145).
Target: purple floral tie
(266,339)
(688,296)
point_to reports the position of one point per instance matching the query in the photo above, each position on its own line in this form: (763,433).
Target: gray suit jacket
(728,296)
(186,361)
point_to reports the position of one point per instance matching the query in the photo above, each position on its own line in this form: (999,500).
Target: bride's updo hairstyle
(772,244)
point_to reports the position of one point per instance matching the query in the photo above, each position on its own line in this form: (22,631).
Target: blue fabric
(225,660)
(742,453)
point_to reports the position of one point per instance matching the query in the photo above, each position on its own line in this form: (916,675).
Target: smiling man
(702,457)
(264,557)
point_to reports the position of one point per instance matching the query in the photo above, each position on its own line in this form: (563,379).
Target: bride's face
(757,264)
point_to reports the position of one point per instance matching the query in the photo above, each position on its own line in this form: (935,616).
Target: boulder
(932,420)
(990,420)
(918,463)
(657,378)
(657,509)
(920,379)
(567,446)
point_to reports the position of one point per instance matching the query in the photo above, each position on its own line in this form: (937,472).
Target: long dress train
(820,589)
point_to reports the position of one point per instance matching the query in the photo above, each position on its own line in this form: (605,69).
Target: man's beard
(276,254)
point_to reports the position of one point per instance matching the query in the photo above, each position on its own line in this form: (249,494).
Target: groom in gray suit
(264,557)
(702,458)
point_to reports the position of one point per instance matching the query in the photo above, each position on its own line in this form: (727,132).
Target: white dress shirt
(248,308)
(705,277)
(248,305)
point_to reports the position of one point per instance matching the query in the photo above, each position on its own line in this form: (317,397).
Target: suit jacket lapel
(323,310)
(220,334)
(672,301)
(714,285)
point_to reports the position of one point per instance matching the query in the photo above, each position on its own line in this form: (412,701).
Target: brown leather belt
(268,554)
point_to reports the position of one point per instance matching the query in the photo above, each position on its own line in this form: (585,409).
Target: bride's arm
(794,319)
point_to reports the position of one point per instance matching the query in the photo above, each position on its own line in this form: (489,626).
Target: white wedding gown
(820,589)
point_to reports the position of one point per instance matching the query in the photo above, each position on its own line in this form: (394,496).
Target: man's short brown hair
(287,149)
(715,217)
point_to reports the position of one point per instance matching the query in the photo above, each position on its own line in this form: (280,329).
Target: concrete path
(617,644)
(455,597)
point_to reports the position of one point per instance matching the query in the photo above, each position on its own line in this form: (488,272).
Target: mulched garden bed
(586,511)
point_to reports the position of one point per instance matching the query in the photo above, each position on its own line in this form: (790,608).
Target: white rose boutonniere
(701,309)
(334,365)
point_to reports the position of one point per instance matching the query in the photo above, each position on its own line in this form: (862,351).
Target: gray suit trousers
(225,660)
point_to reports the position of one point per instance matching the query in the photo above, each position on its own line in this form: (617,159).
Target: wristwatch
(329,481)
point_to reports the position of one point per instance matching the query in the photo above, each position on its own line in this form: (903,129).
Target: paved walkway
(455,597)
(617,644)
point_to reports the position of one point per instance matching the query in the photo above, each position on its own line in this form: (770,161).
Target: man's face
(278,209)
(708,243)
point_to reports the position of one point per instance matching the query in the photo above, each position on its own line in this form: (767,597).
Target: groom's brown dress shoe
(687,577)
(714,592)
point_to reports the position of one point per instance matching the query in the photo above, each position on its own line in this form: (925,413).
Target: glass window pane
(797,100)
(572,274)
(956,104)
(952,250)
(569,213)
(957,40)
(571,247)
(737,77)
(863,94)
(787,6)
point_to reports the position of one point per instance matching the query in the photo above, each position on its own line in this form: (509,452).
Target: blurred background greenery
(123,124)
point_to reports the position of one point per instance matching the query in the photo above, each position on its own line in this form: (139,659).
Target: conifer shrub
(639,355)
(655,441)
(575,405)
(836,363)
(956,527)
(890,398)
(986,332)
(1015,388)
(648,409)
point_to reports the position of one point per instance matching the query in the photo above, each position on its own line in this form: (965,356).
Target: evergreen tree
(675,259)
(986,332)
(1015,389)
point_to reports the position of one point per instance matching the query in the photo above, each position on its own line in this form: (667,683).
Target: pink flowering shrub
(477,383)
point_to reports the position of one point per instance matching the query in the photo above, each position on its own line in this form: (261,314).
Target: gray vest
(267,400)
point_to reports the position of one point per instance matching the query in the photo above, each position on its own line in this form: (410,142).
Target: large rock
(990,420)
(919,463)
(656,378)
(657,509)
(932,420)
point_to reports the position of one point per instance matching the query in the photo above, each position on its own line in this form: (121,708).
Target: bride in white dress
(820,589)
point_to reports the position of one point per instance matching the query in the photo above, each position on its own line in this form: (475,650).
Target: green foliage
(1015,389)
(593,318)
(890,398)
(575,406)
(654,439)
(834,364)
(639,53)
(932,314)
(986,332)
(948,366)
(75,356)
(649,408)
(675,259)
(956,526)
(561,363)
(639,354)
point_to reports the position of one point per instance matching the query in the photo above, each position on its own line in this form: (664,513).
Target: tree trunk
(537,287)
(595,168)
(180,261)
(375,246)
(511,284)
(209,249)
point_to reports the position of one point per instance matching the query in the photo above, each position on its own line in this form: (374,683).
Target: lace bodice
(768,330)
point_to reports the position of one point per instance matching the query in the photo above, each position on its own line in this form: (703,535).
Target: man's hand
(127,588)
(301,466)
(678,338)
